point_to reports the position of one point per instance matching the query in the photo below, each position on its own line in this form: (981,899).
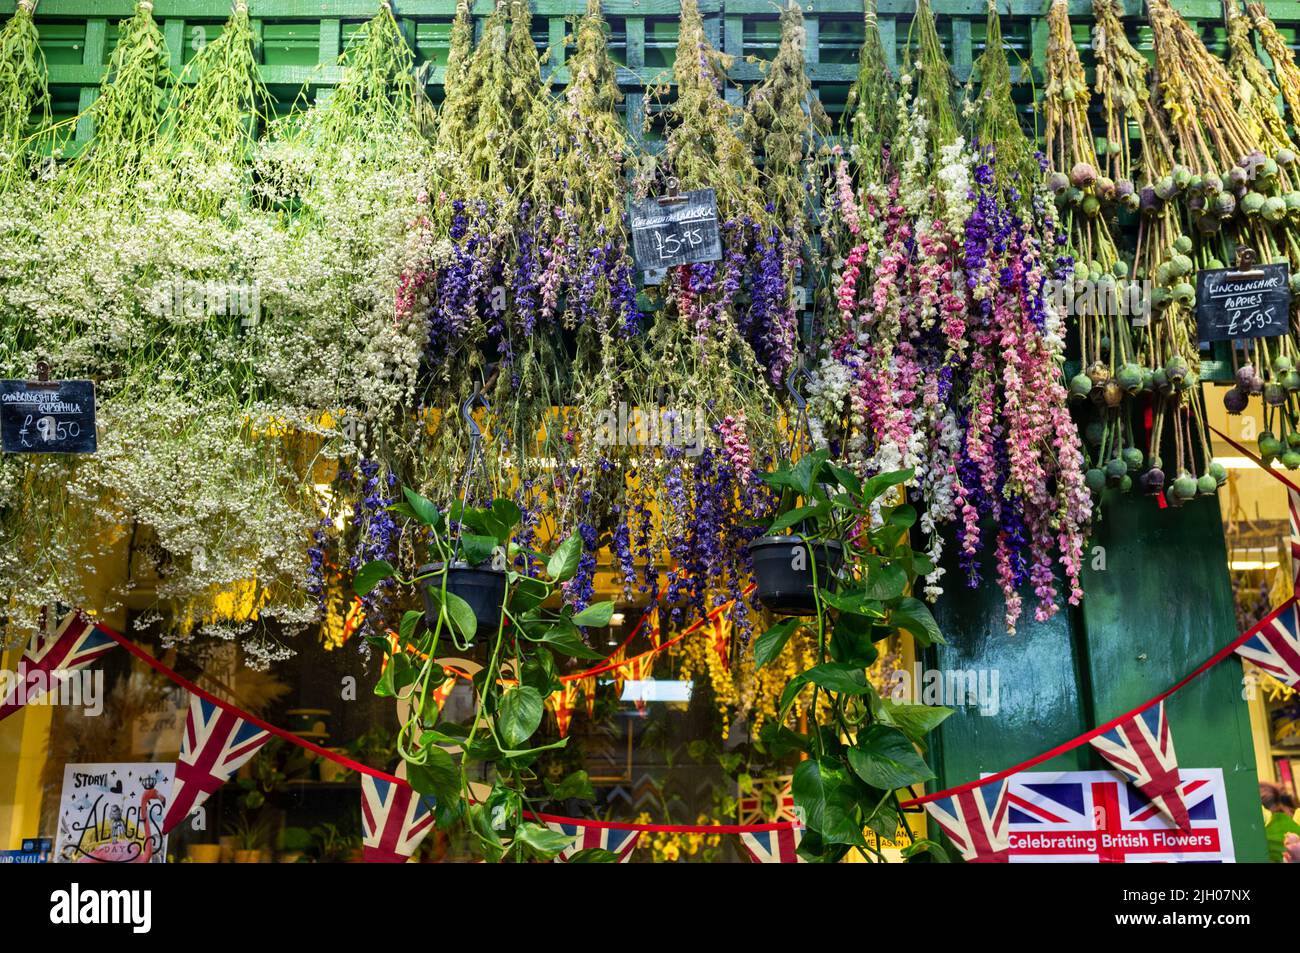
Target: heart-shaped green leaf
(884,758)
(371,575)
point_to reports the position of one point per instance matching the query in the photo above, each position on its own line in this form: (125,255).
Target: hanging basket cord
(476,399)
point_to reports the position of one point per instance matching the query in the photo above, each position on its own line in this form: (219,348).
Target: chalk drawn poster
(112,813)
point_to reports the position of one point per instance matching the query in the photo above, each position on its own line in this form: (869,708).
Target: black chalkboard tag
(47,416)
(676,229)
(1249,301)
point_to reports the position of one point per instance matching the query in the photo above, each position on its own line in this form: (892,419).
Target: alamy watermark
(1107,296)
(954,688)
(79,689)
(626,426)
(209,299)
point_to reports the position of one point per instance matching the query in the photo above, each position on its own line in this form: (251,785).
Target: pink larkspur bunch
(735,446)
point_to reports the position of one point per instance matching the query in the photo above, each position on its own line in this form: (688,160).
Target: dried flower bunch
(941,352)
(288,319)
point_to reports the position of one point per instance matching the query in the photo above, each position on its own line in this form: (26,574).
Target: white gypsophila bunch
(222,506)
(332,336)
(51,537)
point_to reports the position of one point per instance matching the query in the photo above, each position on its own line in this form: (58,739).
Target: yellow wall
(25,735)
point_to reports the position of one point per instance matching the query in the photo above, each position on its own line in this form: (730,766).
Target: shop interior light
(1243,565)
(652,690)
(1244,463)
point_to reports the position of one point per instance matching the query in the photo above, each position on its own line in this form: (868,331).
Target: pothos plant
(498,744)
(860,747)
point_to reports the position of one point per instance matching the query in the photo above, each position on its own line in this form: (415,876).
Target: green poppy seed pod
(1164,273)
(1181,265)
(1094,432)
(1148,380)
(1274,208)
(1295,283)
(1291,381)
(1182,177)
(1266,171)
(1073,196)
(1206,485)
(1293,440)
(1125,483)
(1292,200)
(1219,472)
(1214,263)
(1091,206)
(1096,479)
(1225,204)
(1283,363)
(1209,224)
(1184,293)
(1291,459)
(1165,188)
(1183,245)
(1115,469)
(1130,378)
(1176,368)
(1284,156)
(1120,269)
(1106,188)
(1132,457)
(1155,462)
(1131,202)
(1269,446)
(1159,296)
(1195,184)
(1185,486)
(1080,385)
(1211,184)
(1252,203)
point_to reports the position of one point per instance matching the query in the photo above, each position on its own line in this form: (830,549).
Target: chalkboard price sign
(47,416)
(1239,303)
(678,230)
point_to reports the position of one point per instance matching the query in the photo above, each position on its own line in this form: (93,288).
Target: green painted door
(1158,603)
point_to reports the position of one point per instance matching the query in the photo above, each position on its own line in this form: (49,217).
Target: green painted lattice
(300,40)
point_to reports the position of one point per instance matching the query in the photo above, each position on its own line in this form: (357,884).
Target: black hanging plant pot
(783,572)
(483,587)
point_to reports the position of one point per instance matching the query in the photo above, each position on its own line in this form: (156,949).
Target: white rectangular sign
(113,813)
(1091,817)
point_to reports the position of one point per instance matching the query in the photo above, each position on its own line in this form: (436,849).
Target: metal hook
(477,398)
(797,371)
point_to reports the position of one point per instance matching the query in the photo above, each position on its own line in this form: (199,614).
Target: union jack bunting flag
(780,846)
(618,842)
(394,819)
(975,821)
(215,743)
(1275,646)
(76,643)
(1143,749)
(1293,508)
